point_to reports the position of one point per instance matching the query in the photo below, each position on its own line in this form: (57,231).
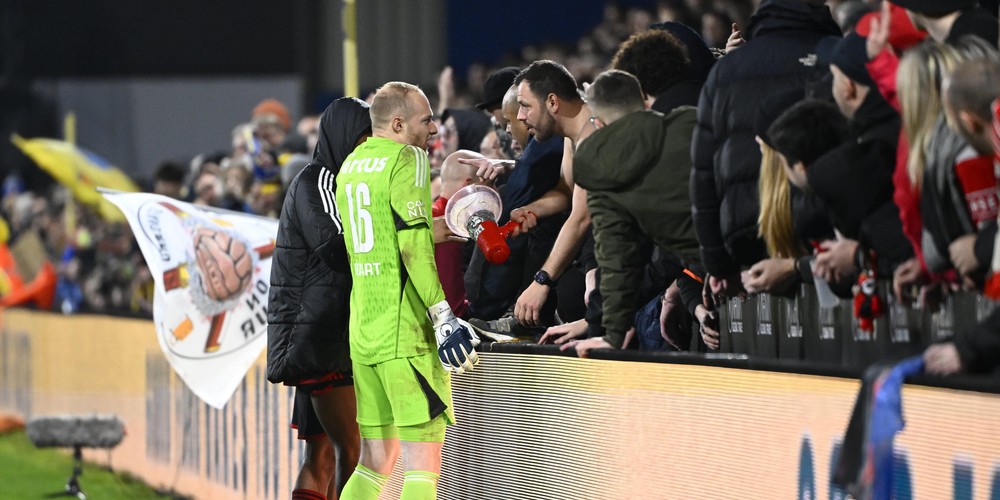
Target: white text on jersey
(367,268)
(366,165)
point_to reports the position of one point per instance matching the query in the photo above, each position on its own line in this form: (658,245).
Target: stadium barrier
(795,327)
(533,424)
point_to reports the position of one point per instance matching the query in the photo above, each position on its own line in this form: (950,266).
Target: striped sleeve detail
(423,167)
(327,186)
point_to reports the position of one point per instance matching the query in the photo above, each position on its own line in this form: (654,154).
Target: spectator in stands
(494,288)
(463,129)
(715,28)
(494,90)
(551,106)
(491,148)
(849,13)
(208,189)
(917,99)
(969,91)
(687,89)
(308,306)
(958,188)
(169,180)
(801,136)
(789,217)
(659,59)
(265,198)
(863,213)
(497,141)
(948,22)
(293,164)
(308,127)
(634,170)
(237,181)
(240,136)
(449,256)
(660,62)
(976,350)
(779,54)
(271,122)
(516,128)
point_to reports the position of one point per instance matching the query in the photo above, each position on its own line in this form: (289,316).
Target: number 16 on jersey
(362,232)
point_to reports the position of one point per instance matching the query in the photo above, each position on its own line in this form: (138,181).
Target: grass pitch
(28,473)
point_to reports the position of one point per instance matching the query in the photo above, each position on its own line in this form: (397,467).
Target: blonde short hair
(391,100)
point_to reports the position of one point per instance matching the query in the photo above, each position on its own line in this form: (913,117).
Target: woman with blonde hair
(917,97)
(919,78)
(776,221)
(933,152)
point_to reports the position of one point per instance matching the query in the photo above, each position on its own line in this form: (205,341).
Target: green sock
(364,484)
(419,485)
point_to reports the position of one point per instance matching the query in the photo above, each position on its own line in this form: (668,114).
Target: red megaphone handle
(508,228)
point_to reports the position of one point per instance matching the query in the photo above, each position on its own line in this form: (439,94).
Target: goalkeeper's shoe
(505,329)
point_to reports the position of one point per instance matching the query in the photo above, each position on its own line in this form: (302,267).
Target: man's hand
(564,333)
(488,170)
(942,359)
(443,234)
(455,338)
(963,254)
(729,286)
(709,326)
(675,321)
(525,218)
(735,40)
(878,34)
(446,89)
(836,259)
(589,285)
(583,347)
(908,276)
(528,308)
(770,275)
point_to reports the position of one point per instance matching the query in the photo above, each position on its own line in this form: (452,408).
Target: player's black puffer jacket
(310,279)
(780,55)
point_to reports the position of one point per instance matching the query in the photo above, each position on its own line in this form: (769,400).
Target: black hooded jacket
(308,302)
(864,211)
(780,54)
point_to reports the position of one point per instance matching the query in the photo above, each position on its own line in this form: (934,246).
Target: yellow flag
(79,170)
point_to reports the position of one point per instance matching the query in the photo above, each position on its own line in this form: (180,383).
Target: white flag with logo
(212,270)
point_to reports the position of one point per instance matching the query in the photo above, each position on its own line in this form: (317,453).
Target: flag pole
(69,210)
(349,18)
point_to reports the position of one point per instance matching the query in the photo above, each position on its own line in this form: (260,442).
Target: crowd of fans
(844,143)
(668,161)
(97,262)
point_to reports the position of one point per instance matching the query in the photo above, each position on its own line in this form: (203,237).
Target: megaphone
(472,212)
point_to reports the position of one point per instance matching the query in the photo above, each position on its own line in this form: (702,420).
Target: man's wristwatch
(542,278)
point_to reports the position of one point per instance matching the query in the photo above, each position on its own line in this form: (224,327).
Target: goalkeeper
(404,337)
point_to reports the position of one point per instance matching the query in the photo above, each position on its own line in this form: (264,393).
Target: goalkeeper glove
(455,338)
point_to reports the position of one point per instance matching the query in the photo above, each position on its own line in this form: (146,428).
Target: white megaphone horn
(472,212)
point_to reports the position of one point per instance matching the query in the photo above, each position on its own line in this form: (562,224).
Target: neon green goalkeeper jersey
(384,198)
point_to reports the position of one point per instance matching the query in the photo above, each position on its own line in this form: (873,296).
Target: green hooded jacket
(637,172)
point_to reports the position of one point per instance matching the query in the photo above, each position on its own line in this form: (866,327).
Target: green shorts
(403,392)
